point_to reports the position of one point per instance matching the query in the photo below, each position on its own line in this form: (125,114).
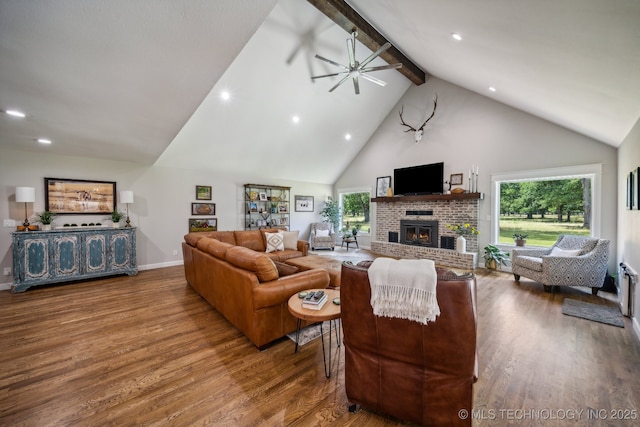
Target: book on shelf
(316,305)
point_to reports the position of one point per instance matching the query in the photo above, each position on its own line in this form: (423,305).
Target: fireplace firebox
(419,233)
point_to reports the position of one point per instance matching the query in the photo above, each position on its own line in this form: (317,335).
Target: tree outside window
(356,211)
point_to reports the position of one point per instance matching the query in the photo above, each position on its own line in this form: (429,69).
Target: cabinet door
(120,251)
(95,253)
(66,256)
(36,265)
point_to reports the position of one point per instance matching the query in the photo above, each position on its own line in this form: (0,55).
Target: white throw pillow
(564,252)
(322,233)
(275,241)
(291,239)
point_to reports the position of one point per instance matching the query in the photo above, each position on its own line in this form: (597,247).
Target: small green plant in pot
(520,239)
(494,257)
(45,218)
(116,217)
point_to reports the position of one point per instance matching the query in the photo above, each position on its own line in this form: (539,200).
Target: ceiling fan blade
(375,54)
(381,67)
(356,85)
(328,75)
(373,79)
(351,49)
(340,82)
(322,58)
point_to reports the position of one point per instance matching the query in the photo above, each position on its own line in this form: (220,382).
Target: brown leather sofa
(231,270)
(422,374)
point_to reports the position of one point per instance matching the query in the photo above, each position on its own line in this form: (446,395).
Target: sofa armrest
(276,292)
(303,247)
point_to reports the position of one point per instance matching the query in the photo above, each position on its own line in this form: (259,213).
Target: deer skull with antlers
(417,133)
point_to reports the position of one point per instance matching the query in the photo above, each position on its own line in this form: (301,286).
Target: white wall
(472,129)
(629,220)
(163,198)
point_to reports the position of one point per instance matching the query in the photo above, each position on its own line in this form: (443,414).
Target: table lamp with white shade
(127,197)
(25,195)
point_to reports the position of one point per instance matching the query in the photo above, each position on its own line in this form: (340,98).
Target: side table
(329,311)
(350,240)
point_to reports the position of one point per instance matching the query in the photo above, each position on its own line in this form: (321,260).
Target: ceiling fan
(357,69)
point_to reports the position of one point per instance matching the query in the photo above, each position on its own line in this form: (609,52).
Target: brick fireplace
(436,210)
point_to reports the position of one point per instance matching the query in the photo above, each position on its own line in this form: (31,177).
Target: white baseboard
(7,286)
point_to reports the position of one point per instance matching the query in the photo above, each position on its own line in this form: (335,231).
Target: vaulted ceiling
(141,81)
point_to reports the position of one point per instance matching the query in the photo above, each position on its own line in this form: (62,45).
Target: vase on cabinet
(461,244)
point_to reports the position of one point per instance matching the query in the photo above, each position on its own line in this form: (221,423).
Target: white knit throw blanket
(404,288)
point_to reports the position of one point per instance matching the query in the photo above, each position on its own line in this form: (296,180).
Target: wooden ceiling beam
(348,19)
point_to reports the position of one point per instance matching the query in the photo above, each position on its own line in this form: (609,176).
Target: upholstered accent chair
(571,261)
(322,236)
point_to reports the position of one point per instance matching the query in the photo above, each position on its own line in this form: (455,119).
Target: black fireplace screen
(421,233)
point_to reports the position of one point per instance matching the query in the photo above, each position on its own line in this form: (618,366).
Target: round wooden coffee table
(329,312)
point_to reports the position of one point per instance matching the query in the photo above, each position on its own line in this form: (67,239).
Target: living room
(469,127)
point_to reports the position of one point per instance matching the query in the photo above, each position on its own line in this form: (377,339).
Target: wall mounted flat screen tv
(423,179)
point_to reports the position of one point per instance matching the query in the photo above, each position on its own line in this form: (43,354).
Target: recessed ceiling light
(225,95)
(44,141)
(295,119)
(16,113)
(492,89)
(456,36)
(347,136)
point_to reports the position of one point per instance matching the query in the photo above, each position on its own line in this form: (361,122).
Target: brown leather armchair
(423,374)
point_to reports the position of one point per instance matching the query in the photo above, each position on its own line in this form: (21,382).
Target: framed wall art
(455,179)
(383,184)
(304,203)
(203,192)
(203,208)
(630,190)
(79,196)
(203,224)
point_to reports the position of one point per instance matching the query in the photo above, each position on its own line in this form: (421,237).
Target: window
(355,208)
(546,203)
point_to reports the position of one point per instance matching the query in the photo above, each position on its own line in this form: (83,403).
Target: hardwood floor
(147,350)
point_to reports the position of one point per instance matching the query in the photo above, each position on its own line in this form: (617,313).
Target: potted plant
(520,239)
(462,230)
(116,216)
(45,218)
(331,212)
(494,257)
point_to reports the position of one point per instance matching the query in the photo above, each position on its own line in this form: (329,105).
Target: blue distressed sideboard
(43,257)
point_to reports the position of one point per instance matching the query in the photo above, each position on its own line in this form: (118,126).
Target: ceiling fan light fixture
(357,69)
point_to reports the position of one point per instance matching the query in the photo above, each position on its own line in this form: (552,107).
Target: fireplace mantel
(427,197)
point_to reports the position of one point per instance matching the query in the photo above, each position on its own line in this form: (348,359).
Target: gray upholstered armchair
(571,261)
(322,236)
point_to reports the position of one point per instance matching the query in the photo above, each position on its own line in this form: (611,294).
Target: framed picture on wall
(455,179)
(630,190)
(304,203)
(203,192)
(78,196)
(203,224)
(203,208)
(383,184)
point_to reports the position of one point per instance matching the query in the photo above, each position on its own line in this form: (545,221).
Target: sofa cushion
(215,247)
(193,238)
(285,269)
(274,241)
(253,261)
(291,239)
(251,239)
(224,236)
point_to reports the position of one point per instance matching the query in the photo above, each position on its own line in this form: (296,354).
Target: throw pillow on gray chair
(571,261)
